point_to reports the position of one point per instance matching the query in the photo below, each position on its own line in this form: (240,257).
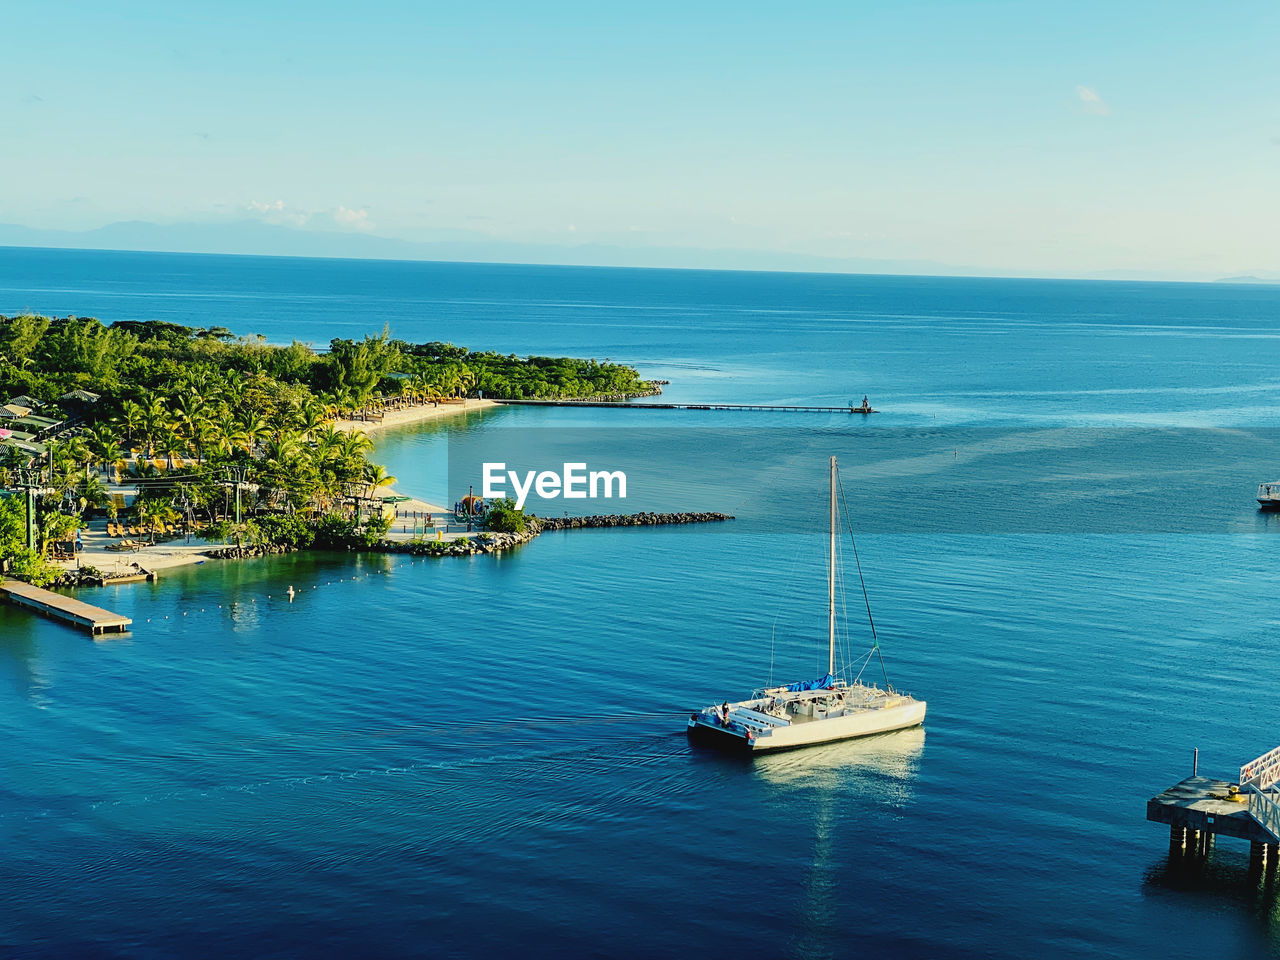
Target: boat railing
(1264,809)
(755,716)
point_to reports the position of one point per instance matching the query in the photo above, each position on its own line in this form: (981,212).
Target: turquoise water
(470,756)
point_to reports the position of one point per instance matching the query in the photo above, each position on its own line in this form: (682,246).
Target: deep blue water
(470,757)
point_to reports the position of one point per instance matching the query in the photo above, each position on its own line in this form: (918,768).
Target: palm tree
(104,444)
(129,419)
(355,444)
(375,478)
(76,452)
(228,435)
(466,381)
(327,440)
(309,416)
(206,436)
(255,429)
(153,513)
(281,448)
(169,442)
(11,461)
(192,414)
(92,492)
(55,527)
(155,418)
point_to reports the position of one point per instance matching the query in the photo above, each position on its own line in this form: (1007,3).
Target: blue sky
(1057,138)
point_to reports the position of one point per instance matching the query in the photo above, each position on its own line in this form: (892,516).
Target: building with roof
(80,396)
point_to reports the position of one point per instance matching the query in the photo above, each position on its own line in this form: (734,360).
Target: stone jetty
(497,542)
(626,520)
(492,542)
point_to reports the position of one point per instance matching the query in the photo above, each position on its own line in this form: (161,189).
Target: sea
(471,757)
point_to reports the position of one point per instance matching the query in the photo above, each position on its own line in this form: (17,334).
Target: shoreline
(421,413)
(416,414)
(167,555)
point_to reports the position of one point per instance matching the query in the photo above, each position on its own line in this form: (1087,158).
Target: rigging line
(843,633)
(777,610)
(773,637)
(848,629)
(875,640)
(849,632)
(865,661)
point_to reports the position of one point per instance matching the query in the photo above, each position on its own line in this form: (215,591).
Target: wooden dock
(768,407)
(67,609)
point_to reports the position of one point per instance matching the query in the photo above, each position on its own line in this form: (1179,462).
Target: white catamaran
(813,711)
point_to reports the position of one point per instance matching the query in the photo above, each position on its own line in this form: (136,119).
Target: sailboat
(811,711)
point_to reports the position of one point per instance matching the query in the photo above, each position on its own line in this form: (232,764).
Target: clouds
(279,212)
(1092,101)
(352,219)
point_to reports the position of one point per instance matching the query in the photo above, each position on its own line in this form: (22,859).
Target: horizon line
(1243,280)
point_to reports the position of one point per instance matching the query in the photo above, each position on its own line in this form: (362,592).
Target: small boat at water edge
(1269,495)
(811,712)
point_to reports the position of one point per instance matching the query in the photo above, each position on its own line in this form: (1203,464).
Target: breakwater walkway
(626,520)
(768,407)
(459,544)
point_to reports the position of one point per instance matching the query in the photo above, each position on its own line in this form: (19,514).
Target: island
(159,432)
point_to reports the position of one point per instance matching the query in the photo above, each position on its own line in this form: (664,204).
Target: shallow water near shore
(449,757)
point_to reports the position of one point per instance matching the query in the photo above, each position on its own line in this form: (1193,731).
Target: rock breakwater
(625,520)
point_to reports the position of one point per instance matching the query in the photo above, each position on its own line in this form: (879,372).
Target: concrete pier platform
(1205,806)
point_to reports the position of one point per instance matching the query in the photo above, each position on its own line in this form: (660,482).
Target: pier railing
(1264,809)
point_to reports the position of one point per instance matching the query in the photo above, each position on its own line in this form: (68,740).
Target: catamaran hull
(797,735)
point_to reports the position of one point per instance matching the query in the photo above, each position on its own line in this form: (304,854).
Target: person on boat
(866,404)
(724,714)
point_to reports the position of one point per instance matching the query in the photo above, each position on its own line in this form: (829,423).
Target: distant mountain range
(257,238)
(1251,278)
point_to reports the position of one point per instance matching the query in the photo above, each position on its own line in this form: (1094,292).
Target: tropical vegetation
(232,434)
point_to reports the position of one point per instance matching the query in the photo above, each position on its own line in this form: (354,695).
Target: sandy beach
(417,414)
(179,552)
(413,504)
(175,553)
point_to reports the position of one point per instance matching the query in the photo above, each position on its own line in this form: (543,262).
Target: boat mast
(831,580)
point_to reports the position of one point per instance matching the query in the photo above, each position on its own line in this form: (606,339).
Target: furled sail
(823,684)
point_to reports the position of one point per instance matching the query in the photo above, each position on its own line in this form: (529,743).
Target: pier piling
(1198,810)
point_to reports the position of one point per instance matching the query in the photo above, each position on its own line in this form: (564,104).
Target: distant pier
(67,609)
(769,407)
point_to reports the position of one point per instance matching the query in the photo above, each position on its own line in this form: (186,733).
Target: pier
(1199,809)
(768,407)
(67,609)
